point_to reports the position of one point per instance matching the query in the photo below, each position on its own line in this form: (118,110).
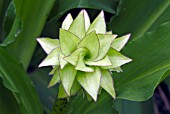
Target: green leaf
(67,22)
(55,79)
(120,42)
(151,59)
(81,64)
(137,22)
(28,25)
(91,42)
(90,82)
(16,80)
(7,99)
(103,62)
(67,76)
(105,39)
(68,42)
(78,26)
(116,58)
(107,83)
(48,44)
(52,59)
(73,58)
(99,24)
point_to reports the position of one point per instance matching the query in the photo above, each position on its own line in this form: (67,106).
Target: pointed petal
(62,61)
(87,20)
(117,59)
(91,42)
(107,83)
(53,70)
(90,82)
(105,44)
(67,76)
(103,62)
(120,42)
(51,59)
(55,79)
(75,88)
(78,25)
(48,44)
(73,58)
(68,42)
(67,22)
(117,69)
(99,24)
(62,93)
(81,65)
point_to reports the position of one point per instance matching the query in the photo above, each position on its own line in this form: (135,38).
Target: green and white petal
(78,26)
(103,62)
(99,24)
(67,22)
(53,70)
(117,69)
(81,65)
(75,88)
(62,93)
(91,42)
(62,61)
(117,59)
(68,42)
(48,44)
(107,83)
(52,58)
(55,79)
(73,58)
(87,20)
(67,76)
(90,82)
(120,42)
(105,44)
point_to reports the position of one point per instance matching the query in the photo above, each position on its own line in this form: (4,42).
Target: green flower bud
(84,56)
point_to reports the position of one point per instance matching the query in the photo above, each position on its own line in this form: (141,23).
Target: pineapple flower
(84,56)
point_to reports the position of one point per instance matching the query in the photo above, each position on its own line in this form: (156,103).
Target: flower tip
(102,13)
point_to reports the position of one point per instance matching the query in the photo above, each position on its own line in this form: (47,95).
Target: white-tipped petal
(67,22)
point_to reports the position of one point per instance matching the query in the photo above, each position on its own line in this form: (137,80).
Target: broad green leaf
(91,42)
(78,26)
(67,76)
(105,44)
(107,83)
(81,64)
(16,80)
(73,58)
(7,99)
(137,22)
(68,42)
(48,44)
(52,59)
(41,79)
(53,70)
(62,61)
(120,42)
(80,105)
(151,59)
(103,62)
(30,21)
(99,24)
(116,58)
(67,22)
(55,79)
(90,82)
